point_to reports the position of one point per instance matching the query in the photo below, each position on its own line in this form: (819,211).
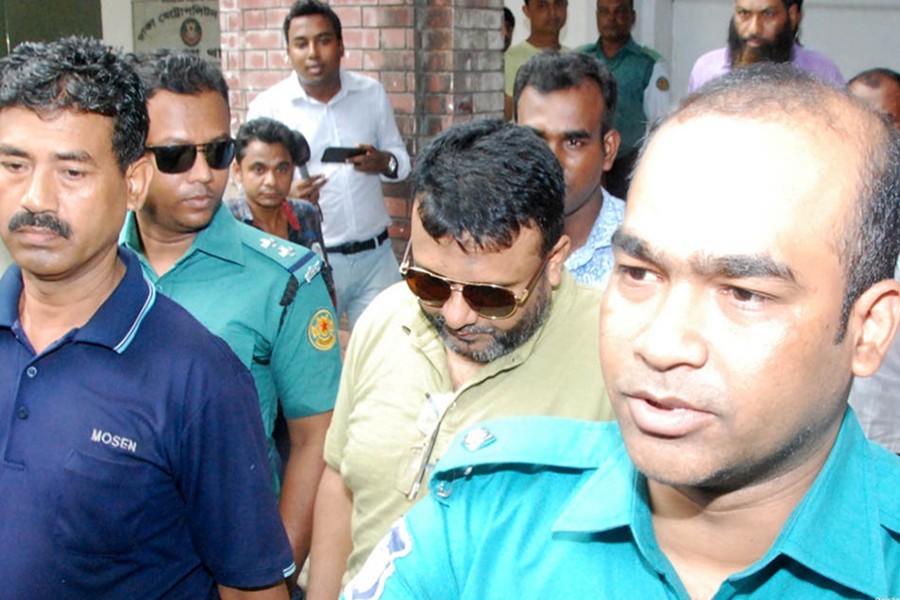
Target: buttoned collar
(115,323)
(348,84)
(835,530)
(630,47)
(220,239)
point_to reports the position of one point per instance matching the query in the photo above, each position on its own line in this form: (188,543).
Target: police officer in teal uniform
(736,468)
(643,84)
(264,296)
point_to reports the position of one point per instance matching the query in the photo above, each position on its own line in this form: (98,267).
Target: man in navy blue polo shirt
(116,406)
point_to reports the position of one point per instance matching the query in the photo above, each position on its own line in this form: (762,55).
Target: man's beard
(504,341)
(779,50)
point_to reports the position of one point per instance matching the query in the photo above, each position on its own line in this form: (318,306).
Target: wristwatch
(393,165)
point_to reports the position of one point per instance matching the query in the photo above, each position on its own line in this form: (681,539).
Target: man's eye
(745,297)
(13,166)
(634,273)
(574,142)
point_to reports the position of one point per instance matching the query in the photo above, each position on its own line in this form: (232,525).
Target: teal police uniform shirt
(642,79)
(542,507)
(266,298)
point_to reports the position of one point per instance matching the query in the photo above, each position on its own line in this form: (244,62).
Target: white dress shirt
(360,113)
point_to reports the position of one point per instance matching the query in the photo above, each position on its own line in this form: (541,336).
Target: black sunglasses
(180,158)
(488,300)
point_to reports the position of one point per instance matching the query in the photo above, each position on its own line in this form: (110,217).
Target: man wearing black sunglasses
(487,323)
(263,295)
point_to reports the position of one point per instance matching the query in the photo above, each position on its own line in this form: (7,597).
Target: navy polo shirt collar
(10,292)
(115,323)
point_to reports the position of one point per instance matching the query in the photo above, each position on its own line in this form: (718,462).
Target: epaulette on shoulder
(534,440)
(656,56)
(301,262)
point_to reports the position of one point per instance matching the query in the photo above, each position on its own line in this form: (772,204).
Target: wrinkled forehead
(730,184)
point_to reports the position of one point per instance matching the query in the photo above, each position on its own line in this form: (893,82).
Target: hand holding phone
(339,154)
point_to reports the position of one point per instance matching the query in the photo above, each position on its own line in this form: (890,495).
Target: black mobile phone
(336,154)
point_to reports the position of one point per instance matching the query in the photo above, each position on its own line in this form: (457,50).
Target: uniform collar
(115,323)
(836,530)
(10,292)
(630,47)
(220,239)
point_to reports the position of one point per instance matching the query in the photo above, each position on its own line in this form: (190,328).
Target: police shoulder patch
(290,256)
(662,84)
(322,331)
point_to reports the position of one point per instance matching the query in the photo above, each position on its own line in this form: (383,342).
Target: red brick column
(440,61)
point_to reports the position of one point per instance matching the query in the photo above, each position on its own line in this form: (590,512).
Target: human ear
(558,256)
(137,177)
(877,315)
(611,141)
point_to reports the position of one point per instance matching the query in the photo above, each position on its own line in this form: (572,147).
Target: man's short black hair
(178,72)
(552,71)
(268,131)
(482,182)
(83,75)
(873,77)
(305,8)
(868,243)
(509,17)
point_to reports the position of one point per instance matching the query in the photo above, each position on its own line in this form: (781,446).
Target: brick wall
(440,61)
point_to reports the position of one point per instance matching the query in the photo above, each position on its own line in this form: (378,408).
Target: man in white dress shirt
(334,107)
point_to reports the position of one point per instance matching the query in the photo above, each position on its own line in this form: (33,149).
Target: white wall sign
(191,25)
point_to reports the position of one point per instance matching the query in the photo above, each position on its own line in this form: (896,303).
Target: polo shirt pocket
(101,504)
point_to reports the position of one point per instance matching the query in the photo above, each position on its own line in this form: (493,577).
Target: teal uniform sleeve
(306,356)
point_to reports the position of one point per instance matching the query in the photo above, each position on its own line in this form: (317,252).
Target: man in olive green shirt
(435,354)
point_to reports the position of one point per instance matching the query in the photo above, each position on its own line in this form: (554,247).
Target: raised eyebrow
(7,150)
(746,266)
(578,134)
(737,266)
(634,246)
(82,157)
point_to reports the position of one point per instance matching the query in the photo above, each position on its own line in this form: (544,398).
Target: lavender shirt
(717,62)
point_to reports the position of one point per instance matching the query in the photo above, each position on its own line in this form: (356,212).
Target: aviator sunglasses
(180,158)
(488,300)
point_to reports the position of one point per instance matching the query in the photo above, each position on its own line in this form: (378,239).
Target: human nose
(456,311)
(754,25)
(673,337)
(40,196)
(313,50)
(200,170)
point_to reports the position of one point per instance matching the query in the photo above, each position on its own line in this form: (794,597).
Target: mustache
(42,220)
